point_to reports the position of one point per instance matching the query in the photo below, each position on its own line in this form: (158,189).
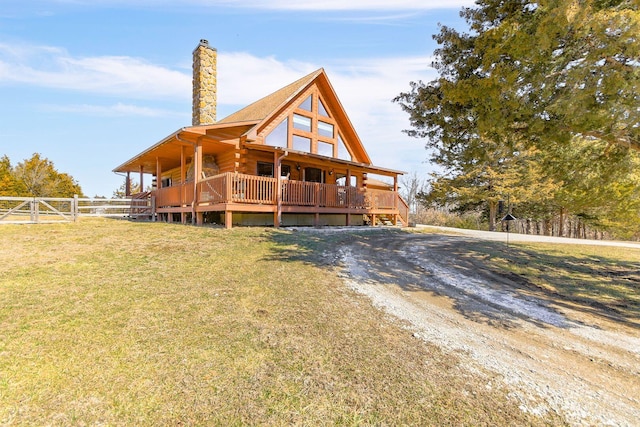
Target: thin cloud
(365,88)
(116,110)
(52,67)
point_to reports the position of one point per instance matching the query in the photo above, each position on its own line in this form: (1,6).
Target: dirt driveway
(551,357)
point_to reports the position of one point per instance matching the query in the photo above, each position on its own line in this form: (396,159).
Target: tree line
(36,177)
(537,103)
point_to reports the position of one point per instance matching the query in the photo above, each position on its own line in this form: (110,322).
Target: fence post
(36,210)
(75,212)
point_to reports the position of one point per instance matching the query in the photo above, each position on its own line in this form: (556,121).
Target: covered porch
(213,174)
(230,193)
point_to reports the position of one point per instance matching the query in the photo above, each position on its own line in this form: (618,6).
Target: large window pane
(265,169)
(343,153)
(306,104)
(302,122)
(278,136)
(321,110)
(301,143)
(325,129)
(313,175)
(325,149)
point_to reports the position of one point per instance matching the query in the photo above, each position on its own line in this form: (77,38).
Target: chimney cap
(204,43)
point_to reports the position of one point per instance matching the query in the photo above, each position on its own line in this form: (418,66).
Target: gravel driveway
(551,357)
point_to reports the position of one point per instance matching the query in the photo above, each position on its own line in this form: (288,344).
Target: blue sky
(91,83)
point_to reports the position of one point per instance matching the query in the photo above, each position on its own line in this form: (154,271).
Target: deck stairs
(141,208)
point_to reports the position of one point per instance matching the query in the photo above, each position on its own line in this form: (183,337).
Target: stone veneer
(204,84)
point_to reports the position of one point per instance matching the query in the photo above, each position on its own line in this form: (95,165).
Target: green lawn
(108,322)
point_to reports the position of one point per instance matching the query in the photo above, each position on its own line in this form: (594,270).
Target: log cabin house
(290,158)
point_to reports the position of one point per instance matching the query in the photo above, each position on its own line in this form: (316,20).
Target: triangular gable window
(278,136)
(306,104)
(309,128)
(321,110)
(343,153)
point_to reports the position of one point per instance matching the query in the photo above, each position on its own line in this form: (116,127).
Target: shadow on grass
(598,284)
(485,281)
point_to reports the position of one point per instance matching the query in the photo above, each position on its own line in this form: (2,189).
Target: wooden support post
(348,185)
(228,219)
(373,220)
(199,218)
(395,190)
(278,171)
(196,217)
(183,187)
(158,173)
(141,178)
(127,185)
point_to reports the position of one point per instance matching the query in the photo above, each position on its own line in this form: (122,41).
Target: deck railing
(381,199)
(239,188)
(176,195)
(403,210)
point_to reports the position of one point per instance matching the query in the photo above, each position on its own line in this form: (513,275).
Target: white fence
(54,209)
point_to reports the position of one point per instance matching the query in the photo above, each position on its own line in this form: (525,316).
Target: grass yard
(117,323)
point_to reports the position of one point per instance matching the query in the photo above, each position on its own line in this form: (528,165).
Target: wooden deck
(233,192)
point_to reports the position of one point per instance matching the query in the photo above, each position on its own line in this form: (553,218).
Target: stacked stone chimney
(204,84)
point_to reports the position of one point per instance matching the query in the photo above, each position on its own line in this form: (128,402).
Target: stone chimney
(204,84)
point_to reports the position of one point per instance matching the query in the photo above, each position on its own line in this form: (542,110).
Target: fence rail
(57,209)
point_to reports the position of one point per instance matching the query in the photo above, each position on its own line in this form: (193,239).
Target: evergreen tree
(530,83)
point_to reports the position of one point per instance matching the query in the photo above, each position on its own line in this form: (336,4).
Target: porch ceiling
(215,139)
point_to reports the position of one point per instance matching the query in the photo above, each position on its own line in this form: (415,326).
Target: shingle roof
(265,106)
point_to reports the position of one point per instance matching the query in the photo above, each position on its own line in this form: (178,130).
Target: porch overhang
(214,139)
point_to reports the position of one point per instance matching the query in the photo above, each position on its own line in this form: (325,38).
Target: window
(268,169)
(341,179)
(325,149)
(301,143)
(321,110)
(325,129)
(265,169)
(343,153)
(302,122)
(278,136)
(313,175)
(306,104)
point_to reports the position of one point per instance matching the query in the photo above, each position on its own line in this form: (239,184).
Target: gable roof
(265,110)
(250,120)
(262,108)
